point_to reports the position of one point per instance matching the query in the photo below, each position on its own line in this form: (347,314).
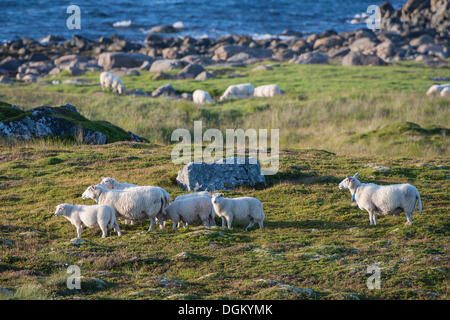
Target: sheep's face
(90,193)
(215,198)
(108,183)
(349,182)
(59,210)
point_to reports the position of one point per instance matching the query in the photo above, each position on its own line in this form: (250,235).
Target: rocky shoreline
(419,31)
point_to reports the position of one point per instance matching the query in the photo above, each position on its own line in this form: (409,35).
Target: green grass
(313,238)
(333,122)
(324,107)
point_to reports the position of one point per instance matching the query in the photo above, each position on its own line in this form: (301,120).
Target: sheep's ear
(356,175)
(349,179)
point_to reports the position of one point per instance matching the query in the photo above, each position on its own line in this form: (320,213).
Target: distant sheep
(437,89)
(201,97)
(111,81)
(375,199)
(445,92)
(245,90)
(190,210)
(239,209)
(113,184)
(133,204)
(89,216)
(267,91)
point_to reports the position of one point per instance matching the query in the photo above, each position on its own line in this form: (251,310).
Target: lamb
(244,90)
(240,209)
(436,89)
(375,199)
(190,210)
(445,92)
(133,204)
(89,216)
(269,90)
(111,183)
(109,80)
(201,97)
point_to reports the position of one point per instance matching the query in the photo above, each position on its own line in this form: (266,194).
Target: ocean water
(199,18)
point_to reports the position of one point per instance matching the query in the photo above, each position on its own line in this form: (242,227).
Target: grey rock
(205,75)
(225,174)
(77,241)
(165,90)
(5,80)
(311,58)
(190,71)
(110,60)
(166,65)
(163,29)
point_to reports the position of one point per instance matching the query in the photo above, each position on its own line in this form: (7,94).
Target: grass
(333,121)
(313,238)
(325,107)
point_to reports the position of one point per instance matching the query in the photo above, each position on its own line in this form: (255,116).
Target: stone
(165,90)
(5,80)
(77,241)
(311,58)
(365,44)
(67,59)
(227,51)
(423,39)
(328,42)
(110,60)
(262,68)
(205,75)
(10,64)
(358,59)
(163,29)
(190,71)
(166,65)
(221,175)
(385,49)
(378,168)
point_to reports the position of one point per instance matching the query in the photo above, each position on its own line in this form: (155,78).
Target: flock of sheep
(245,90)
(132,203)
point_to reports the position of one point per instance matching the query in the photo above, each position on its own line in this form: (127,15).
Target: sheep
(109,80)
(111,183)
(194,194)
(201,97)
(436,89)
(132,204)
(89,216)
(244,90)
(390,199)
(240,209)
(445,92)
(189,210)
(269,90)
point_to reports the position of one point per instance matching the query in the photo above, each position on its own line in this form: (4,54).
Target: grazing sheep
(89,216)
(244,90)
(201,97)
(194,194)
(240,209)
(109,80)
(133,204)
(113,184)
(436,89)
(267,91)
(375,199)
(190,210)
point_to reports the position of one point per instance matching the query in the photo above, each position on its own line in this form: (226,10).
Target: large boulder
(190,71)
(359,59)
(110,60)
(227,51)
(311,58)
(164,91)
(166,65)
(225,174)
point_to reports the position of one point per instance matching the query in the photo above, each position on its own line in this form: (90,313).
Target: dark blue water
(260,18)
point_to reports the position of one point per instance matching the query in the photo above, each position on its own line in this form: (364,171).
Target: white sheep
(244,90)
(89,216)
(267,91)
(436,89)
(194,194)
(239,209)
(133,204)
(190,210)
(390,199)
(113,184)
(109,80)
(201,97)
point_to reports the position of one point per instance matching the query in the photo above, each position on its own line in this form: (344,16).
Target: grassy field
(334,121)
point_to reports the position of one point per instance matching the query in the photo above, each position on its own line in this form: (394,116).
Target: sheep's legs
(374,218)
(152,224)
(176,224)
(229,221)
(223,222)
(408,219)
(261,224)
(117,229)
(104,231)
(371,218)
(79,231)
(250,225)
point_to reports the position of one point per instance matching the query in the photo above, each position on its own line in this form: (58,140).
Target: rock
(385,49)
(311,58)
(73,69)
(434,50)
(262,68)
(378,168)
(166,65)
(182,256)
(67,59)
(10,64)
(168,283)
(227,51)
(162,76)
(423,39)
(100,283)
(197,59)
(166,91)
(163,29)
(51,39)
(5,80)
(29,234)
(77,241)
(190,71)
(6,292)
(200,176)
(363,45)
(358,59)
(291,33)
(328,42)
(205,75)
(110,60)
(127,72)
(145,66)
(38,56)
(172,53)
